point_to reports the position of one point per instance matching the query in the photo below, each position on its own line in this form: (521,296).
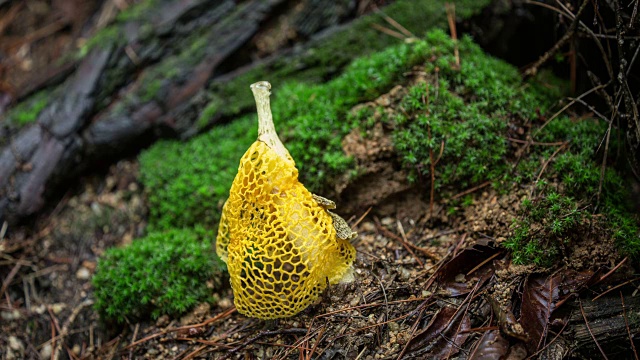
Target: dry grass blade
(399,239)
(591,332)
(533,69)
(614,288)
(164,332)
(626,323)
(388,31)
(450,8)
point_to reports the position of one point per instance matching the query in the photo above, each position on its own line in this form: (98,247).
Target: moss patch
(113,34)
(188,182)
(569,194)
(163,273)
(27,112)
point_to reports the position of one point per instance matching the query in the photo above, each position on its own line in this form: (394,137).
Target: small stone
(162,321)
(91,265)
(58,307)
(45,352)
(393,326)
(405,274)
(152,352)
(10,315)
(76,349)
(225,303)
(387,221)
(83,274)
(368,227)
(15,343)
(460,278)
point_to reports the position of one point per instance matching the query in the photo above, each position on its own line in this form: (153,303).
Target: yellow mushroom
(281,243)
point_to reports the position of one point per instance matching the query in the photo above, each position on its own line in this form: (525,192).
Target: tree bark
(126,92)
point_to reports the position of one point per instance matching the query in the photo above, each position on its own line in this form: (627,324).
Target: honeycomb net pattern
(280,246)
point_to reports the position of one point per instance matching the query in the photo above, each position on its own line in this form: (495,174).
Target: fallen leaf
(542,295)
(490,346)
(443,336)
(454,276)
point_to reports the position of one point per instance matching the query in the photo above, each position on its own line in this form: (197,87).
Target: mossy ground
(162,273)
(470,112)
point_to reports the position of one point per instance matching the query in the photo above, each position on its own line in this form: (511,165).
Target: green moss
(113,34)
(575,173)
(466,113)
(547,223)
(27,112)
(188,182)
(163,273)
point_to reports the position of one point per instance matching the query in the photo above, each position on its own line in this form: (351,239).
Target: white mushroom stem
(266,129)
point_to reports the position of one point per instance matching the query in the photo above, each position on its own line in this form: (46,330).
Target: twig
(43,32)
(9,278)
(396,25)
(557,143)
(397,238)
(414,327)
(387,31)
(65,328)
(432,165)
(550,342)
(384,292)
(362,217)
(263,334)
(133,338)
(450,8)
(364,306)
(315,346)
(195,353)
(484,262)
(590,332)
(406,241)
(546,163)
(614,288)
(56,327)
(3,230)
(164,332)
(626,322)
(469,191)
(612,270)
(533,69)
(568,106)
(584,27)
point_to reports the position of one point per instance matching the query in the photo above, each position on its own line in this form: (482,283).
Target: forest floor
(431,280)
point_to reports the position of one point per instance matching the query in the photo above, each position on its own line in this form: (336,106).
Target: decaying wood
(602,320)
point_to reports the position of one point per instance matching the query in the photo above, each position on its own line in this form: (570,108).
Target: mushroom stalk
(266,130)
